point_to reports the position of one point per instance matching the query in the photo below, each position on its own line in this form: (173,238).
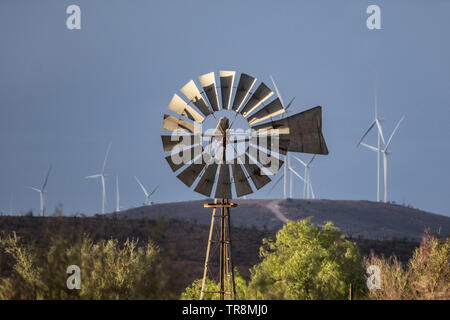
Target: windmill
(202,148)
(386,153)
(41,192)
(380,139)
(148,196)
(308,192)
(102,176)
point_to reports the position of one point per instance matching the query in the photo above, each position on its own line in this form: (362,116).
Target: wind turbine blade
(273,187)
(106,157)
(301,161)
(117,194)
(142,186)
(380,130)
(368,130)
(393,132)
(311,160)
(295,172)
(312,191)
(93,176)
(154,190)
(289,104)
(35,189)
(277,91)
(369,147)
(46,178)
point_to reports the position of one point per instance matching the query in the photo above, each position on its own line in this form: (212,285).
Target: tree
(306,262)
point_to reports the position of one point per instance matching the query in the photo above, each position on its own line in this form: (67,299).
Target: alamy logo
(74,20)
(261,147)
(374,279)
(374,20)
(74,280)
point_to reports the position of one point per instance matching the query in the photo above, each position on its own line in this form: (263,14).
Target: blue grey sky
(65,94)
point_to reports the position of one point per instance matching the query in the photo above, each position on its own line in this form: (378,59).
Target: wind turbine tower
(41,192)
(102,176)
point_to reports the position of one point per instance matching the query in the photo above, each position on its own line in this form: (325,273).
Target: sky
(66,94)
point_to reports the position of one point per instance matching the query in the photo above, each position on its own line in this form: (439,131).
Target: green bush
(109,270)
(306,262)
(193,291)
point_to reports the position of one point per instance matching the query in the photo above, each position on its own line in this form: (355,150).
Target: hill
(182,244)
(366,219)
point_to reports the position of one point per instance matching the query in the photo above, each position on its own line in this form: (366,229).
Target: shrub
(108,270)
(425,276)
(193,291)
(305,262)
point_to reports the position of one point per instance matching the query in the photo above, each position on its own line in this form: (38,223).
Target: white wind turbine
(385,153)
(102,176)
(287,158)
(117,195)
(376,122)
(41,192)
(308,192)
(148,195)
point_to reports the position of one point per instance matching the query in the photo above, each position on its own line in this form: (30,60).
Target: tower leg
(226,280)
(208,248)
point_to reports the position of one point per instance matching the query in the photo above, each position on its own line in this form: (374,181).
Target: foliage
(425,276)
(193,291)
(306,262)
(108,270)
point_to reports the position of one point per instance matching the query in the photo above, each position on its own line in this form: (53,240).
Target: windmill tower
(207,153)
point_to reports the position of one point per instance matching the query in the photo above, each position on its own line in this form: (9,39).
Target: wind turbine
(41,192)
(308,192)
(285,173)
(376,122)
(117,195)
(102,176)
(147,195)
(385,153)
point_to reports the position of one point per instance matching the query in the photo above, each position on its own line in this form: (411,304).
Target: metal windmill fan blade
(226,87)
(174,142)
(258,177)
(270,162)
(191,92)
(171,123)
(246,83)
(183,157)
(208,82)
(305,131)
(188,175)
(240,181)
(271,128)
(223,189)
(206,183)
(261,94)
(271,110)
(181,107)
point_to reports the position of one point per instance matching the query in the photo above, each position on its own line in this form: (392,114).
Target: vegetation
(425,276)
(108,270)
(304,262)
(301,262)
